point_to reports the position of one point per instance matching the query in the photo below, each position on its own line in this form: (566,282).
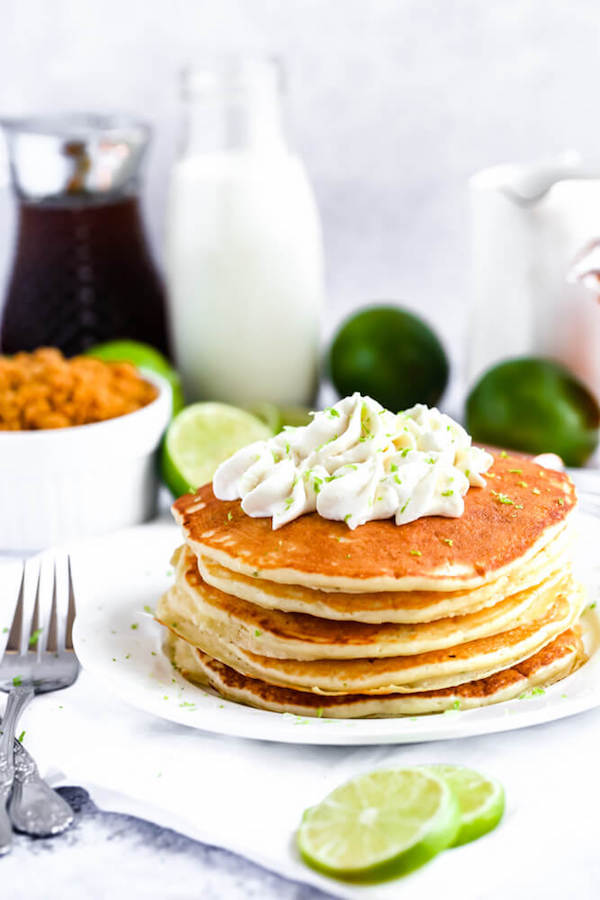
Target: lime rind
(534,405)
(174,480)
(399,843)
(480,798)
(388,353)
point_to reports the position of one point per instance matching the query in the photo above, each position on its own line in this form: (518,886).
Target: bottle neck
(236,114)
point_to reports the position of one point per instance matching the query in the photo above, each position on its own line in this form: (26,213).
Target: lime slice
(144,357)
(200,437)
(380,825)
(480,800)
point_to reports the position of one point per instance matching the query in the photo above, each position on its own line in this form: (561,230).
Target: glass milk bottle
(243,246)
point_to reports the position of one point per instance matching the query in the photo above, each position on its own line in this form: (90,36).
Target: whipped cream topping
(356,462)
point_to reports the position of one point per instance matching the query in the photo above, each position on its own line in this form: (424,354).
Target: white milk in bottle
(244,249)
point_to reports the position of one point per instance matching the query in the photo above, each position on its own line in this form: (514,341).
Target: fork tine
(26,632)
(51,641)
(71,609)
(61,612)
(34,628)
(14,637)
(44,604)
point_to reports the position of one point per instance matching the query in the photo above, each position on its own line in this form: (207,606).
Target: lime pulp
(480,800)
(201,437)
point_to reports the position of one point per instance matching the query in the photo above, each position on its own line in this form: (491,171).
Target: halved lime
(144,357)
(480,800)
(200,437)
(380,825)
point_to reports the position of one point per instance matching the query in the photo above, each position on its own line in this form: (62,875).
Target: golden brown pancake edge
(523,506)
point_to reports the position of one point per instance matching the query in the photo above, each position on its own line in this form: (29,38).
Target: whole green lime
(145,357)
(391,355)
(537,406)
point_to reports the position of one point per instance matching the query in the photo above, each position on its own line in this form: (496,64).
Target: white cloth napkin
(248,796)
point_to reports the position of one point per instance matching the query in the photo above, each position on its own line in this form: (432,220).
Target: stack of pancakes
(385,620)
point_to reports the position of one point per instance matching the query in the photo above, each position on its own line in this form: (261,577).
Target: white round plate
(118,580)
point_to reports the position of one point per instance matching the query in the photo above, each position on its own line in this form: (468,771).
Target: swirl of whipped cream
(356,462)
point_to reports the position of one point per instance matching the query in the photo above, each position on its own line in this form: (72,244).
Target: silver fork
(38,658)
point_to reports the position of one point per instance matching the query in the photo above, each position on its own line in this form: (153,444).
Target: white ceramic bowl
(87,480)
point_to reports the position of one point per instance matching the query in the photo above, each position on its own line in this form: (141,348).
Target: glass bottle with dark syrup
(82,271)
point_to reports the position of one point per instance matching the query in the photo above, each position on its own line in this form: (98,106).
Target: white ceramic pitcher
(529,223)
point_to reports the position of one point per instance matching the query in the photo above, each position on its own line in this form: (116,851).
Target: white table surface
(547,845)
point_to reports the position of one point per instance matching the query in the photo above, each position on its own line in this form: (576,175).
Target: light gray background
(392,103)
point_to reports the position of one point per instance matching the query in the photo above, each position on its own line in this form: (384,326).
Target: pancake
(407,607)
(523,506)
(385,620)
(401,674)
(197,606)
(554,662)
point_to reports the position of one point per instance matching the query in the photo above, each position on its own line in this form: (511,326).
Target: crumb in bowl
(43,389)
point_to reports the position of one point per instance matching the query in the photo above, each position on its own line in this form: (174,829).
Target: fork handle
(5,827)
(34,808)
(18,699)
(6,781)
